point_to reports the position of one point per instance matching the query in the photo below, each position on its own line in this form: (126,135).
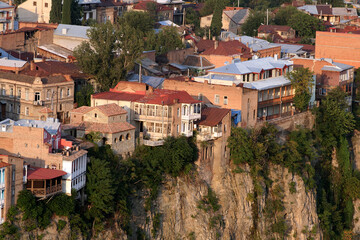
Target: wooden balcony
(44,188)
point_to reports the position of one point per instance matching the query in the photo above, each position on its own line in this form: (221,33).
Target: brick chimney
(32,65)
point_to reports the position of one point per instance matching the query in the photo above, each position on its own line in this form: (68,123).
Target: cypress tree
(66,13)
(216,22)
(55,13)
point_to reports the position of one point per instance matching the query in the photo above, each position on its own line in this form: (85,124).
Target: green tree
(141,21)
(252,23)
(302,80)
(100,190)
(83,97)
(192,17)
(76,12)
(110,53)
(283,16)
(66,12)
(168,39)
(56,11)
(305,25)
(216,22)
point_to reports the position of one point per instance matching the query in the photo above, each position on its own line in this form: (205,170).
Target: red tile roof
(204,44)
(212,116)
(167,97)
(111,109)
(273,28)
(144,6)
(36,173)
(83,109)
(228,48)
(106,127)
(3,164)
(118,96)
(54,67)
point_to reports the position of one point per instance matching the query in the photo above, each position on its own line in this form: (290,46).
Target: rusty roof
(106,127)
(212,116)
(226,48)
(36,173)
(167,97)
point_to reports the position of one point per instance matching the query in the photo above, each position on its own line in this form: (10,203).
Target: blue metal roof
(268,83)
(72,31)
(154,82)
(252,66)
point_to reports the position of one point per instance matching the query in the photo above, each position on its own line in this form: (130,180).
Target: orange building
(340,47)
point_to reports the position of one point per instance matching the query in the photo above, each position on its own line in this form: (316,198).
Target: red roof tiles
(167,97)
(36,173)
(212,116)
(144,6)
(111,109)
(83,109)
(106,127)
(3,164)
(273,28)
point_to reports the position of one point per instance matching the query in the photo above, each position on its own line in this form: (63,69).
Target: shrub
(292,187)
(60,225)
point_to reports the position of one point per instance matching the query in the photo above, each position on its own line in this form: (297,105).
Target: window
(26,111)
(121,138)
(115,140)
(37,96)
(18,109)
(260,97)
(217,98)
(178,112)
(61,93)
(95,115)
(277,92)
(26,94)
(19,93)
(10,107)
(68,92)
(60,107)
(225,100)
(128,137)
(11,91)
(3,91)
(46,5)
(13,174)
(48,94)
(177,128)
(34,3)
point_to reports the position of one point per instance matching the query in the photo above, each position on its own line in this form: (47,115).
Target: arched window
(198,108)
(185,110)
(115,140)
(61,93)
(128,137)
(121,138)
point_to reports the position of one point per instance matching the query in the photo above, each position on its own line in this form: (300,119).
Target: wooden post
(32,185)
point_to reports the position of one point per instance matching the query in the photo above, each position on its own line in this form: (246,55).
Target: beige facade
(27,97)
(35,11)
(110,121)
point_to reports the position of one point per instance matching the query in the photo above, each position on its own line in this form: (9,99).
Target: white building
(35,11)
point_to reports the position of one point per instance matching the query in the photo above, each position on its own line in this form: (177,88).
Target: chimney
(227,39)
(67,153)
(77,148)
(251,50)
(64,31)
(213,38)
(216,44)
(32,65)
(247,44)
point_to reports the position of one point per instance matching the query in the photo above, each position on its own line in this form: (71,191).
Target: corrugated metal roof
(252,66)
(268,83)
(49,125)
(309,8)
(72,31)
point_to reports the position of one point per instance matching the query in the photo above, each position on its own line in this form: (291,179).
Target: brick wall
(218,60)
(341,47)
(238,98)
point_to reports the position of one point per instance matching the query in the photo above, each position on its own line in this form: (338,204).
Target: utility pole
(238,3)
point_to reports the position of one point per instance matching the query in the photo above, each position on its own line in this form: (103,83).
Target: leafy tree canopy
(110,53)
(302,80)
(66,12)
(216,22)
(56,11)
(252,23)
(305,25)
(168,39)
(141,21)
(283,16)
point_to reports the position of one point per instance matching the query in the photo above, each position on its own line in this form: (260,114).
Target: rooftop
(3,164)
(152,81)
(51,125)
(47,68)
(143,5)
(72,31)
(106,127)
(268,83)
(118,96)
(5,5)
(212,116)
(226,48)
(111,109)
(252,66)
(30,79)
(36,173)
(167,97)
(273,28)
(56,50)
(238,16)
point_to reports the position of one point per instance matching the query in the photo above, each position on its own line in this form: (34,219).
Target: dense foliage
(56,11)
(83,97)
(252,23)
(302,80)
(216,22)
(109,53)
(66,12)
(305,25)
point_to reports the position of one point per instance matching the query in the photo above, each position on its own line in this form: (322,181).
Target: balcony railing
(206,136)
(153,143)
(38,103)
(42,192)
(192,116)
(187,134)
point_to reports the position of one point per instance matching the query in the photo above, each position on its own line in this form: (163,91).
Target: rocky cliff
(180,207)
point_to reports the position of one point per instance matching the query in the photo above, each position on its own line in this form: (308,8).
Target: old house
(327,13)
(7,17)
(110,121)
(29,97)
(35,11)
(276,32)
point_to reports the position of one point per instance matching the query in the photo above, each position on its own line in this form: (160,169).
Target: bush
(60,225)
(62,205)
(292,187)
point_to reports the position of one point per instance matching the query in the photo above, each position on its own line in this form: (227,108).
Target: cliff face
(184,217)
